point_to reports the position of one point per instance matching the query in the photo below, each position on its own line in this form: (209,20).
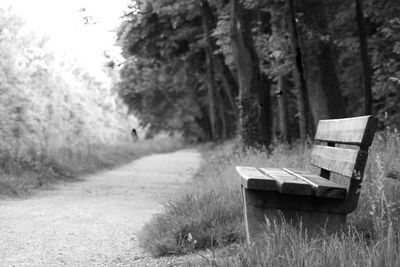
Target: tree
(223,58)
(320,59)
(364,58)
(52,103)
(219,75)
(279,67)
(306,121)
(211,82)
(253,91)
(173,36)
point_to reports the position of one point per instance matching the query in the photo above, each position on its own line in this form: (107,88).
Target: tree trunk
(325,95)
(220,72)
(283,110)
(211,98)
(251,95)
(266,110)
(364,57)
(267,122)
(211,104)
(223,130)
(211,83)
(229,85)
(326,99)
(306,122)
(281,90)
(329,81)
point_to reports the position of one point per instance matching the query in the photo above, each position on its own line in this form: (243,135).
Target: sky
(63,22)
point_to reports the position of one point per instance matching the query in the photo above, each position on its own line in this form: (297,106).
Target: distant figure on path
(134,135)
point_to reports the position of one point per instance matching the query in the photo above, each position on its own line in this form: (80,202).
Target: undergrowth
(22,171)
(209,213)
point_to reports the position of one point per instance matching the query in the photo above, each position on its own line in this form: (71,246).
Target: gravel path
(94,222)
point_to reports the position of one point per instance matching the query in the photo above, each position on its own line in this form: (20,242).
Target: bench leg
(259,205)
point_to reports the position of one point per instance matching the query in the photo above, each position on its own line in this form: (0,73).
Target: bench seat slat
(287,183)
(322,187)
(335,159)
(254,179)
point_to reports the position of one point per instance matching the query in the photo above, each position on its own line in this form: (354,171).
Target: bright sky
(62,21)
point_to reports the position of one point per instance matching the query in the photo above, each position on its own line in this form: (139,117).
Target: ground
(94,222)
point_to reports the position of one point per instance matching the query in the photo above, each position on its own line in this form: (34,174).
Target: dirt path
(95,222)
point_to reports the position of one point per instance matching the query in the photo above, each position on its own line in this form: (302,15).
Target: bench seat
(290,181)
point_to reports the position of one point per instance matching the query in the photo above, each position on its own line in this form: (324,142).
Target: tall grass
(206,215)
(210,212)
(286,246)
(33,168)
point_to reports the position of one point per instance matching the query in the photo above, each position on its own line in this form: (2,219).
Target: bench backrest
(358,131)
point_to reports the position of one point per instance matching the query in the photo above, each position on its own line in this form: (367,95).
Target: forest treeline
(269,69)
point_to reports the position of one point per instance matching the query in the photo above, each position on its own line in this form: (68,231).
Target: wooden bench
(302,198)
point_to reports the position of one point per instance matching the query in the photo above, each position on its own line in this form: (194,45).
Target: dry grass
(24,171)
(209,215)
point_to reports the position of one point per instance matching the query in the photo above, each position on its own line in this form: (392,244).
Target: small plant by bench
(302,198)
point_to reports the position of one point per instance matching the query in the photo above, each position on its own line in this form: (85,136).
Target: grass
(287,246)
(209,214)
(26,170)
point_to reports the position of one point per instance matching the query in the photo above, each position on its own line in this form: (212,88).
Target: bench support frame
(311,214)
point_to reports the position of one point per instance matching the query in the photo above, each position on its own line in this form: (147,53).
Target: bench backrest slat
(339,160)
(354,131)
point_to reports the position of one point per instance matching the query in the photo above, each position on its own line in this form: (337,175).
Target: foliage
(161,93)
(382,22)
(55,115)
(159,99)
(47,100)
(165,49)
(163,80)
